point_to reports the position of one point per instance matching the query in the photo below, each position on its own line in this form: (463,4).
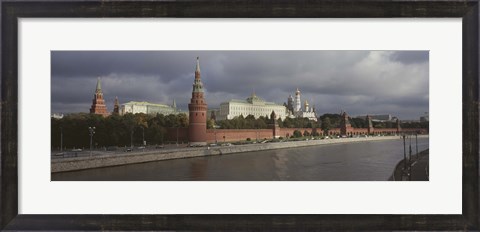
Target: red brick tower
(345,126)
(274,125)
(197,128)
(370,124)
(116,107)
(98,103)
(399,129)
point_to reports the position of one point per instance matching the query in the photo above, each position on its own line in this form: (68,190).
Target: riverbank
(414,170)
(79,163)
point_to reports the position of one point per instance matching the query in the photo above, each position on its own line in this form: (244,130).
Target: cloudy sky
(358,82)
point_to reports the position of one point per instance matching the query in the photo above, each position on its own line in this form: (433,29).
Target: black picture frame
(468,10)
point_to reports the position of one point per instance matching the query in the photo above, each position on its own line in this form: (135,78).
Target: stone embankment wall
(72,164)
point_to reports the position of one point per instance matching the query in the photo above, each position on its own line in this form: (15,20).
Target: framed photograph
(240,115)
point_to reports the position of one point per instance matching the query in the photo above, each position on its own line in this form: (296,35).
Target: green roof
(248,103)
(146,103)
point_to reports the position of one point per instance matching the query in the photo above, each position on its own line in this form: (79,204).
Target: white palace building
(253,105)
(148,108)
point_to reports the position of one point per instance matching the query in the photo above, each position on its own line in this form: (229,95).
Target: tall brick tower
(116,107)
(274,125)
(345,126)
(197,128)
(98,103)
(399,129)
(369,124)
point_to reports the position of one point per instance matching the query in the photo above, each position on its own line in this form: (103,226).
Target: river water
(360,161)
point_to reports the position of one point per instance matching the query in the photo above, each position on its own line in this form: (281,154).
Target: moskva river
(360,161)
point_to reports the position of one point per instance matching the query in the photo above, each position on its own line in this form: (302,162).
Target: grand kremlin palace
(148,108)
(253,105)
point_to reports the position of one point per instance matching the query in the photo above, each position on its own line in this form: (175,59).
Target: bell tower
(197,128)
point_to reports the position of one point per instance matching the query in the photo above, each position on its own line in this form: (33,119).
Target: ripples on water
(362,161)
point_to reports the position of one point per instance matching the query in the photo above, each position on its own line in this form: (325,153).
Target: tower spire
(197,69)
(197,83)
(99,85)
(98,103)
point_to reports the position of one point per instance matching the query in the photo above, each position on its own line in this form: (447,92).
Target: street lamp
(61,139)
(416,144)
(91,131)
(404,154)
(143,136)
(131,137)
(215,132)
(177,136)
(410,159)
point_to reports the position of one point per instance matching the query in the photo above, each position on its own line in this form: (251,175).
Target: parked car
(128,149)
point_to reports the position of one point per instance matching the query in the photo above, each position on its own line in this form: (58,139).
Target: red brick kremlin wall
(232,135)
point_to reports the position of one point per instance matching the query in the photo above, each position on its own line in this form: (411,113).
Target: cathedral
(294,107)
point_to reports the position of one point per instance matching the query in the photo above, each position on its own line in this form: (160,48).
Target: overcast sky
(358,82)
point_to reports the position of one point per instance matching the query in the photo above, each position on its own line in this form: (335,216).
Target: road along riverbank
(415,169)
(79,163)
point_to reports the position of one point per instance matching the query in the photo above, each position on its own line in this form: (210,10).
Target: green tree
(297,134)
(210,123)
(326,124)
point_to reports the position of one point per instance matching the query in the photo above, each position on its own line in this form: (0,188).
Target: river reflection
(362,161)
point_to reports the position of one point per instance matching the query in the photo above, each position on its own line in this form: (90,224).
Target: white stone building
(306,112)
(148,108)
(251,106)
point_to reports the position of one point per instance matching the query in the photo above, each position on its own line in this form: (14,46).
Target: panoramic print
(239,115)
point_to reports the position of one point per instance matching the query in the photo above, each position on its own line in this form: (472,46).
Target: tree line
(131,129)
(114,130)
(261,122)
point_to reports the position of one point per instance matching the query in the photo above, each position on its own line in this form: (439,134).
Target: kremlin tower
(197,129)
(98,103)
(116,107)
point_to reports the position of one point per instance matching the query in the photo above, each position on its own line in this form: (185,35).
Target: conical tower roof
(197,69)
(99,86)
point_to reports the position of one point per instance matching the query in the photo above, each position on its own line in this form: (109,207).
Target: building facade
(98,102)
(197,128)
(294,108)
(134,107)
(253,105)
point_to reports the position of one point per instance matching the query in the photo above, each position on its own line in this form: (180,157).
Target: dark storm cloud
(410,57)
(359,82)
(165,65)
